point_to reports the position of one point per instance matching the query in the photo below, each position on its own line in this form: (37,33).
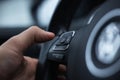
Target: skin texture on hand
(15,66)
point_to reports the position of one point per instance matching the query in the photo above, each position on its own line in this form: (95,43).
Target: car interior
(87,37)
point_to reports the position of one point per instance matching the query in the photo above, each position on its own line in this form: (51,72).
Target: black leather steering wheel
(90,53)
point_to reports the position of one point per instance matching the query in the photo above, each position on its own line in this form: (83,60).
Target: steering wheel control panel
(57,51)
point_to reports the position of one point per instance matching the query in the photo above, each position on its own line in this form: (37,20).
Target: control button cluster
(63,42)
(57,51)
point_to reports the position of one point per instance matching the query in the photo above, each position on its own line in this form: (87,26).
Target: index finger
(25,39)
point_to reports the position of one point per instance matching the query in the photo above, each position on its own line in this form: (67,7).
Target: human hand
(15,66)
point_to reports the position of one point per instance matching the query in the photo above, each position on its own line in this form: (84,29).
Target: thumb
(25,39)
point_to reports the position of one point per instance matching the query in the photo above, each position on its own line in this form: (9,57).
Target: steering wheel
(90,53)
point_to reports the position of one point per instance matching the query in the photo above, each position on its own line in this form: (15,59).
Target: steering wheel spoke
(58,51)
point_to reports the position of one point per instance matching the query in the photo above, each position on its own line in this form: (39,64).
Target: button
(61,42)
(68,40)
(55,56)
(60,48)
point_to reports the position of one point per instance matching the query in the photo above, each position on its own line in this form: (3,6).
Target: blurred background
(24,13)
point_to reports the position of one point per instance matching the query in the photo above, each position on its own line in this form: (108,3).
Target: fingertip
(51,34)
